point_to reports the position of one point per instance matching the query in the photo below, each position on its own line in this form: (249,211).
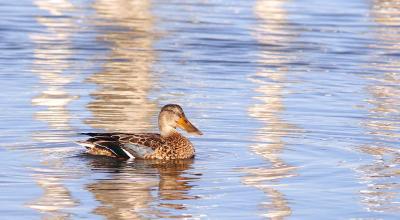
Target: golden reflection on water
(51,61)
(142,190)
(271,86)
(381,193)
(121,99)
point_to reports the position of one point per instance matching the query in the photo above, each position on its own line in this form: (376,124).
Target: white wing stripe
(127,153)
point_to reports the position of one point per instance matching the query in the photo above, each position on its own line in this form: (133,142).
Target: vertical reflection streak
(51,61)
(271,89)
(121,100)
(382,190)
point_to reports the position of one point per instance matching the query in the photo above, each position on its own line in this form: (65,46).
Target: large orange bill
(185,124)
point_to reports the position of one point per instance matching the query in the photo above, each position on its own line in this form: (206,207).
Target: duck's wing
(124,145)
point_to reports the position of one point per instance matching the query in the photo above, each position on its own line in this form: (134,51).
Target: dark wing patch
(107,141)
(114,147)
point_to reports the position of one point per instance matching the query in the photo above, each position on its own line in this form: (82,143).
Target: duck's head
(172,116)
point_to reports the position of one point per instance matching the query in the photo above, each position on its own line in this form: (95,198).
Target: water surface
(298,102)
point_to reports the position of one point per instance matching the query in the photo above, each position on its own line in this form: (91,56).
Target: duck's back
(140,146)
(123,145)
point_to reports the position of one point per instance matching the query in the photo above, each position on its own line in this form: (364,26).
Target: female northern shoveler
(168,145)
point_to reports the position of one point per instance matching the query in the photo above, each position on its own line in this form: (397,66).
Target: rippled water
(298,100)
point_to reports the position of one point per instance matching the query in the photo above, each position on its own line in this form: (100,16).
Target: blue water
(298,102)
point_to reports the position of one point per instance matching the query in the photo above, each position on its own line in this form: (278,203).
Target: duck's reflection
(142,189)
(381,177)
(271,85)
(51,62)
(121,99)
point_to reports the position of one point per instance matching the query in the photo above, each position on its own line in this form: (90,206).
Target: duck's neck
(168,131)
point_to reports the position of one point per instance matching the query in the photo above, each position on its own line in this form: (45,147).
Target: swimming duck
(168,145)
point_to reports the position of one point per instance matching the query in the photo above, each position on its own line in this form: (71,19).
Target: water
(298,101)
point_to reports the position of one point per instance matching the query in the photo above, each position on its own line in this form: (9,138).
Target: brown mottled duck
(168,145)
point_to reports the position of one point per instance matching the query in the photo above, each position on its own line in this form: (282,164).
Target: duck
(169,144)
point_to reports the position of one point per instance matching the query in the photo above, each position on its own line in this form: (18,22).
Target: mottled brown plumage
(169,145)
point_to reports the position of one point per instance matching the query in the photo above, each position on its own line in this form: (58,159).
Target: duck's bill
(188,127)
